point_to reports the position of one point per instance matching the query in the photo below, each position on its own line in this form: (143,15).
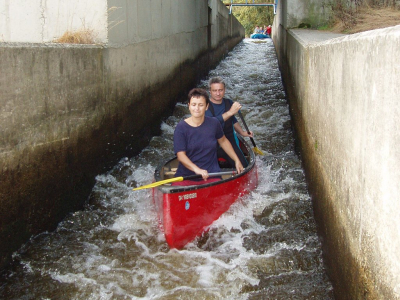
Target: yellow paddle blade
(257,151)
(154,184)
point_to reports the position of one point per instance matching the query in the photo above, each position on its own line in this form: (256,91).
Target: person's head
(198,93)
(217,89)
(198,102)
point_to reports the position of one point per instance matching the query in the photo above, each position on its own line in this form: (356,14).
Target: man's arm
(232,111)
(242,132)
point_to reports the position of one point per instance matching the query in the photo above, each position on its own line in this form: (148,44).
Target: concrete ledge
(308,37)
(343,94)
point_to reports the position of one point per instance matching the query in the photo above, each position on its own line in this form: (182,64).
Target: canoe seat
(223,163)
(170,173)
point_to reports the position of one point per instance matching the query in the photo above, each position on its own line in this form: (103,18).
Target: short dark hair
(197,93)
(215,80)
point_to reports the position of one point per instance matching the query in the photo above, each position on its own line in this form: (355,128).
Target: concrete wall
(38,21)
(353,127)
(112,22)
(343,94)
(312,12)
(70,112)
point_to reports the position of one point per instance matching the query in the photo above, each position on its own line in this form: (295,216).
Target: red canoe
(186,211)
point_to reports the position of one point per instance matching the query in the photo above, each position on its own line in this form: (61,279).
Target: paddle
(178,179)
(255,149)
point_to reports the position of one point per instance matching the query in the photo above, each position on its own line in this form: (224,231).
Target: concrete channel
(69,112)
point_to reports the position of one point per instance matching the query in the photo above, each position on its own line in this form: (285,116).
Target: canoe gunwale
(178,189)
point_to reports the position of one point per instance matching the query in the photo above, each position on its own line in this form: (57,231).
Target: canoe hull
(185,212)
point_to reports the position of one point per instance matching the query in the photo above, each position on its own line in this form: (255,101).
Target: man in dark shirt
(224,110)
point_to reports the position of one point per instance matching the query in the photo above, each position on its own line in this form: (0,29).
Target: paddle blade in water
(257,151)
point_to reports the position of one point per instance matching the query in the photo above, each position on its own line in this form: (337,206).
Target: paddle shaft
(196,176)
(247,128)
(178,179)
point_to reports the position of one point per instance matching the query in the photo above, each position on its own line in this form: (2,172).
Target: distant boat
(259,36)
(186,211)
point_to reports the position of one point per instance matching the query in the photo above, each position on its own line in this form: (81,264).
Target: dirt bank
(365,19)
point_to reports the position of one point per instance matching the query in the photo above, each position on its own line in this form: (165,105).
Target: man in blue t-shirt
(224,110)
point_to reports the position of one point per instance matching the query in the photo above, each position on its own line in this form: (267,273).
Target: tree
(252,16)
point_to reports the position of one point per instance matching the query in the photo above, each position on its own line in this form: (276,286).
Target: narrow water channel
(264,247)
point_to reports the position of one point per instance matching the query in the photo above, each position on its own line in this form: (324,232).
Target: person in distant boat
(256,30)
(269,30)
(224,110)
(196,139)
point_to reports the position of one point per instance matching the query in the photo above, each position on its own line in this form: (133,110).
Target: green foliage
(252,16)
(324,27)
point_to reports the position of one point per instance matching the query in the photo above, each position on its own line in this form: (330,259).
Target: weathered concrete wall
(312,12)
(294,13)
(70,112)
(38,21)
(343,94)
(112,22)
(355,134)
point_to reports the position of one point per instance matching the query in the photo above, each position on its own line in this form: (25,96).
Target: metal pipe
(275,4)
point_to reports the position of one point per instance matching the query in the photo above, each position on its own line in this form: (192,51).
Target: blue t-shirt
(219,109)
(200,144)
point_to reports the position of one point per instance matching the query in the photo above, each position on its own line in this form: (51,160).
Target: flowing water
(264,247)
